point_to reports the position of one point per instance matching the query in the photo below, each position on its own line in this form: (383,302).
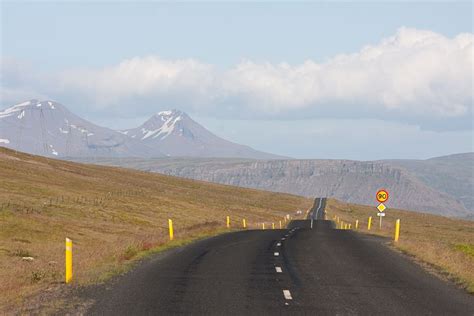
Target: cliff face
(350,181)
(440,185)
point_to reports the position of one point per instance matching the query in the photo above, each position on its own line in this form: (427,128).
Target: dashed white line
(287,294)
(279,244)
(276,254)
(278,270)
(283,238)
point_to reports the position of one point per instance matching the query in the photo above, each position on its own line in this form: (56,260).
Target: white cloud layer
(413,76)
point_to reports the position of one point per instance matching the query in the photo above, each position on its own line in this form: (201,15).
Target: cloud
(413,76)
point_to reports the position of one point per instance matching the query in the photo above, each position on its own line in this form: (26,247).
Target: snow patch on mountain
(169,118)
(14,109)
(53,151)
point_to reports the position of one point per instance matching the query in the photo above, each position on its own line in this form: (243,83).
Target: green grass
(468,249)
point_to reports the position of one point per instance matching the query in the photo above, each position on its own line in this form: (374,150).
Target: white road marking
(279,244)
(319,206)
(287,294)
(276,254)
(278,270)
(283,238)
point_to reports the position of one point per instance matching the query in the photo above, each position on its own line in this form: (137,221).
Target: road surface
(299,270)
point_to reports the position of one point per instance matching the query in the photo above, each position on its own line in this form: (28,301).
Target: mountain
(453,174)
(434,185)
(47,128)
(176,134)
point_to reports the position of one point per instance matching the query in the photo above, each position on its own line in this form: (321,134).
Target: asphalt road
(318,209)
(299,270)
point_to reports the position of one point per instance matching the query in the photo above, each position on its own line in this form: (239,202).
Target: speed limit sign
(382,195)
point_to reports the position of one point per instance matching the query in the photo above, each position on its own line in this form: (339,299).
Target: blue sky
(290,78)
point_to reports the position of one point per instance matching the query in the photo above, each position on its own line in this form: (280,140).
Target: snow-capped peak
(14,109)
(165,113)
(164,127)
(19,109)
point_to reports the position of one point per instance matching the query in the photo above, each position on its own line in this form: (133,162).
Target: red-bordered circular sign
(382,195)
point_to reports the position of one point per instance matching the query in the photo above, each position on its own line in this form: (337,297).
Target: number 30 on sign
(382,195)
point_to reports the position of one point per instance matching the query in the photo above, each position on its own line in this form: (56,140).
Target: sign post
(381,196)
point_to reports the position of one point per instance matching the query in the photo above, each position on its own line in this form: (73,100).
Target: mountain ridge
(49,129)
(348,180)
(177,134)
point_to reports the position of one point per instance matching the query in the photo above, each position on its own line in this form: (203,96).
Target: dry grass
(442,243)
(112,215)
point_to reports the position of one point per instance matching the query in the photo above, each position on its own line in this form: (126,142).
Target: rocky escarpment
(350,181)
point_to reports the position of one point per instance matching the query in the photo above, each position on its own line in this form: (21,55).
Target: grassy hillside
(111,214)
(442,244)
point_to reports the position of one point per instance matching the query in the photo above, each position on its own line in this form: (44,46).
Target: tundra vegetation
(114,216)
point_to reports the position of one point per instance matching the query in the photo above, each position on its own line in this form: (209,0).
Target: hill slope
(111,214)
(453,174)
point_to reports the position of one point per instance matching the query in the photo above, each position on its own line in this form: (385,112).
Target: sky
(346,80)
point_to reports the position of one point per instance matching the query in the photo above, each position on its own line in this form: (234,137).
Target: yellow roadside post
(273,225)
(350,226)
(280,224)
(397,230)
(342,224)
(228,222)
(357,224)
(263,226)
(170,227)
(68,260)
(369,224)
(244,224)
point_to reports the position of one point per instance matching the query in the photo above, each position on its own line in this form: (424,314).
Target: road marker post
(280,224)
(263,226)
(273,225)
(357,224)
(369,224)
(342,224)
(228,222)
(170,227)
(68,258)
(397,230)
(244,224)
(350,226)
